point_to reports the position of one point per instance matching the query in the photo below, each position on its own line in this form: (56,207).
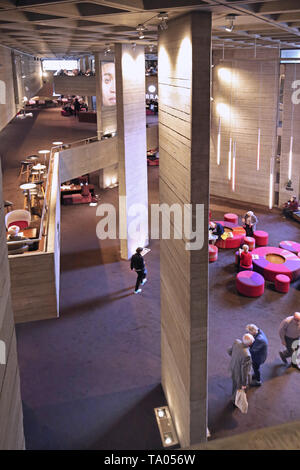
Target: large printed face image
(108,84)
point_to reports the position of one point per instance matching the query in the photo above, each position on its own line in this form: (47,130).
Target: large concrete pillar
(131,125)
(98,93)
(184,55)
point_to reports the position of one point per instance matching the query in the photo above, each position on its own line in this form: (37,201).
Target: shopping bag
(241,401)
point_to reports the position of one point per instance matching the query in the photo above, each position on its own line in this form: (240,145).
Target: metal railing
(44,222)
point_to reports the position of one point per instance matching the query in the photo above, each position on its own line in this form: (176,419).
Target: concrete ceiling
(60,28)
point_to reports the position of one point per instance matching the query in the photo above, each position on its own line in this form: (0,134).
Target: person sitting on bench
(290,207)
(216,230)
(245,257)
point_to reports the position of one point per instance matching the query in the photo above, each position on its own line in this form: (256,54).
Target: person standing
(240,364)
(289,332)
(138,264)
(258,351)
(250,220)
(77,107)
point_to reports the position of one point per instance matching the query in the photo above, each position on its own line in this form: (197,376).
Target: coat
(240,364)
(259,349)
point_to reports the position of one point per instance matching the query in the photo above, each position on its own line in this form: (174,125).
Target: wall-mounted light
(219,143)
(258,151)
(166,427)
(229,158)
(290,158)
(271,183)
(233,166)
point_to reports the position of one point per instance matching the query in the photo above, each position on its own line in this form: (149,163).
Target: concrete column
(87,64)
(131,125)
(184,56)
(98,93)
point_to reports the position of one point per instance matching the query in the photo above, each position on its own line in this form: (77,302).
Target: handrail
(43,231)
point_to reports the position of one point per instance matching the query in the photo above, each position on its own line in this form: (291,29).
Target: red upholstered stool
(282,283)
(213,253)
(233,218)
(250,283)
(250,242)
(261,237)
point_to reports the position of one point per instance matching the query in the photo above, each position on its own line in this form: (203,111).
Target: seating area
(78,191)
(277,265)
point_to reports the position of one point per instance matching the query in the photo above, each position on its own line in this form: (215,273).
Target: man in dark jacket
(138,264)
(216,231)
(258,351)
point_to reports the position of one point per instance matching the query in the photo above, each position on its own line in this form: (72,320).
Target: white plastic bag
(241,401)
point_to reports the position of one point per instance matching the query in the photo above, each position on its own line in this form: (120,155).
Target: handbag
(241,401)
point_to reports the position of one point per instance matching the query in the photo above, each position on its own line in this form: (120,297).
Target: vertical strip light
(292,137)
(259,132)
(258,150)
(290,158)
(219,143)
(229,158)
(271,183)
(233,166)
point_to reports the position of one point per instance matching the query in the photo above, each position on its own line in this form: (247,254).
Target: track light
(107,49)
(133,45)
(140,29)
(230,22)
(163,17)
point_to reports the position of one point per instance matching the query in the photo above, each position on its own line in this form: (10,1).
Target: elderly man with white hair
(258,351)
(240,364)
(249,220)
(289,332)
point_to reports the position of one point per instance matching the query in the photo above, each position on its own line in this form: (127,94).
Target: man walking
(258,351)
(240,364)
(289,332)
(138,264)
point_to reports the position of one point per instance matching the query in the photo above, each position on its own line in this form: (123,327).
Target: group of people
(252,352)
(290,206)
(216,230)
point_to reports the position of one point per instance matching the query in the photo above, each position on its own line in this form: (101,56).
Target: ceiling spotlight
(163,17)
(140,29)
(230,22)
(107,49)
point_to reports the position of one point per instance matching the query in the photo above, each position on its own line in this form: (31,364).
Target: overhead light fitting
(140,29)
(107,49)
(163,17)
(230,22)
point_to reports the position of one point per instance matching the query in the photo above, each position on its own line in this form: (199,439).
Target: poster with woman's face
(108,84)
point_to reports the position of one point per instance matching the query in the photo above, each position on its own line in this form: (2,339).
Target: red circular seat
(237,238)
(282,283)
(250,241)
(233,218)
(289,245)
(250,283)
(261,237)
(213,253)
